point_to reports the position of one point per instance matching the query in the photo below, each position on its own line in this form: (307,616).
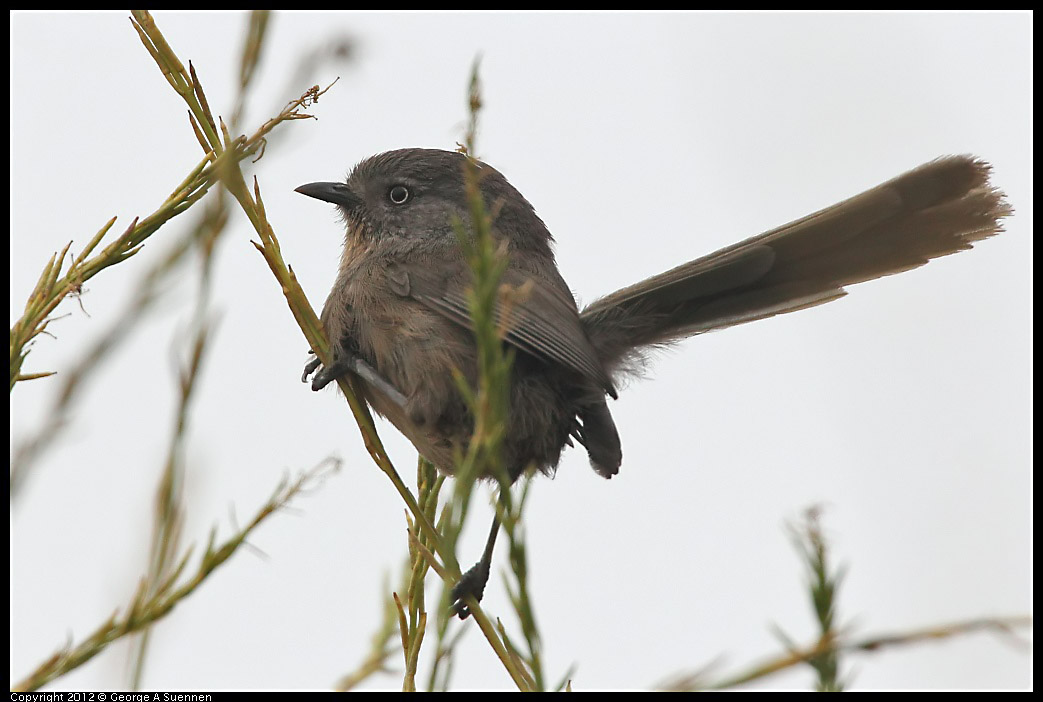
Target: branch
(146,609)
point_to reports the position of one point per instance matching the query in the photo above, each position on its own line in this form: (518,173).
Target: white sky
(643,140)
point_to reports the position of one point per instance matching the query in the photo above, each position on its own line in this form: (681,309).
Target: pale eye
(398,194)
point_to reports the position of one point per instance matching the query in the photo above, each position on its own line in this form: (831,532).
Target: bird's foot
(471,583)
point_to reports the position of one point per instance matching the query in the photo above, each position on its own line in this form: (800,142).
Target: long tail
(937,209)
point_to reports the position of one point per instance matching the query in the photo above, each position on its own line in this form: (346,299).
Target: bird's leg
(344,362)
(473,581)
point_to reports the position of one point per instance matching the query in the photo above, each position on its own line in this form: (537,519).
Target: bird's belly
(420,359)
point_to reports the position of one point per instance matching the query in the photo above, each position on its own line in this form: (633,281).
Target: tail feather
(599,436)
(937,209)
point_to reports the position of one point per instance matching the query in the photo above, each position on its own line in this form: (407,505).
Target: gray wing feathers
(539,322)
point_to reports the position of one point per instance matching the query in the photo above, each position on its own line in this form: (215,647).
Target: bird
(399,323)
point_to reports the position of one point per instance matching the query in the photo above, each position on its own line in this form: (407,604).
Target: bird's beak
(337,193)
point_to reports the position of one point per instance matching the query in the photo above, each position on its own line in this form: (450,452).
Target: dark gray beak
(337,193)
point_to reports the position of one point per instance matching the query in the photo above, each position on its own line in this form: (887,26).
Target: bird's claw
(346,363)
(309,368)
(327,374)
(471,583)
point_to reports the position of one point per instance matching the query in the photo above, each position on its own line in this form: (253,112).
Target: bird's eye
(398,194)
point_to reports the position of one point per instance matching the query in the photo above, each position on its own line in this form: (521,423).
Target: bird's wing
(536,318)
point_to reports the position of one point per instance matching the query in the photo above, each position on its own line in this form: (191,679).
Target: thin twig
(146,609)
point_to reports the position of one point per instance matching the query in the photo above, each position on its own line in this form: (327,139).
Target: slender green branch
(825,647)
(169,509)
(185,83)
(488,401)
(519,592)
(146,609)
(53,285)
(251,56)
(824,655)
(162,587)
(429,483)
(72,381)
(822,584)
(381,648)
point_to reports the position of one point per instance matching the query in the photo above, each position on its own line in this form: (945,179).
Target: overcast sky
(643,140)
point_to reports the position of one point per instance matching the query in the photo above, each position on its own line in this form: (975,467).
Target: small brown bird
(399,322)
